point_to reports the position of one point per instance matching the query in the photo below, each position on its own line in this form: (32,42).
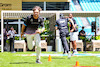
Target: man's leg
(63,39)
(30,41)
(37,40)
(13,44)
(84,42)
(74,47)
(10,44)
(4,47)
(64,49)
(64,42)
(73,38)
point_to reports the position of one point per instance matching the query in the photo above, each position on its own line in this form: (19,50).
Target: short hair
(82,27)
(37,7)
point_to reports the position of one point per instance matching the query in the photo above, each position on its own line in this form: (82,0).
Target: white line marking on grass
(80,54)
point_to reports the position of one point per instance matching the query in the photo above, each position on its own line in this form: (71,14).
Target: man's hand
(70,20)
(38,31)
(71,30)
(56,28)
(22,34)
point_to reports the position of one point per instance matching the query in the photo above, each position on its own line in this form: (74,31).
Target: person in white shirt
(11,33)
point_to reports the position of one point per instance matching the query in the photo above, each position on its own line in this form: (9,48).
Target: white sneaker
(74,52)
(69,55)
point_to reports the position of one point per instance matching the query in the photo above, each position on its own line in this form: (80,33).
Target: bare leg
(74,45)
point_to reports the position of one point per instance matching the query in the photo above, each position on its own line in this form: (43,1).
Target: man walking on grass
(73,33)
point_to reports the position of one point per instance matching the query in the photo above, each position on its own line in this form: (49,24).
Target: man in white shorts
(31,26)
(73,33)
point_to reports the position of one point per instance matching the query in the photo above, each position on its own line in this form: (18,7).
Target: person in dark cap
(62,25)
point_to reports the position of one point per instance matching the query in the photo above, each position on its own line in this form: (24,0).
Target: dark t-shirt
(74,24)
(62,25)
(33,24)
(83,32)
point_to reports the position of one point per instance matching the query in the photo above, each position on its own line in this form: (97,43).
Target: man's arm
(22,31)
(82,34)
(15,32)
(56,27)
(72,23)
(24,25)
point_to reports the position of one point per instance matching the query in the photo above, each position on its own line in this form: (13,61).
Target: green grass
(8,59)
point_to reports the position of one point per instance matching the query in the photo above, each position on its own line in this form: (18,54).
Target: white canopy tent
(47,14)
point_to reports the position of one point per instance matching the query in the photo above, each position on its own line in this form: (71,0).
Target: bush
(16,38)
(97,37)
(47,28)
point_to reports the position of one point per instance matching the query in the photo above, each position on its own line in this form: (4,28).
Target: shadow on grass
(22,63)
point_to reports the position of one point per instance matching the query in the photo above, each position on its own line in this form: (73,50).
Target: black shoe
(38,61)
(64,53)
(5,49)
